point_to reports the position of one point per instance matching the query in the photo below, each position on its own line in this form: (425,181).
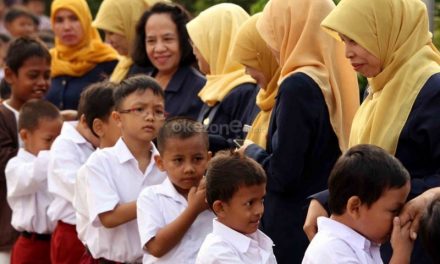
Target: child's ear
(117,117)
(159,162)
(219,209)
(10,76)
(353,207)
(24,134)
(209,155)
(98,126)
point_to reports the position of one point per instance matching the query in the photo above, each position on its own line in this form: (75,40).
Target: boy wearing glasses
(115,176)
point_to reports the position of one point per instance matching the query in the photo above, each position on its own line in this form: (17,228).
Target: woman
(162,44)
(229,91)
(118,21)
(79,57)
(309,127)
(391,45)
(251,51)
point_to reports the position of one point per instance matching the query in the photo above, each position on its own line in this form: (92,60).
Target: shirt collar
(124,154)
(346,233)
(167,189)
(25,155)
(69,128)
(238,240)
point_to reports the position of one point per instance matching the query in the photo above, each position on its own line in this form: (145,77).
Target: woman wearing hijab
(118,20)
(228,90)
(79,57)
(250,50)
(310,123)
(391,45)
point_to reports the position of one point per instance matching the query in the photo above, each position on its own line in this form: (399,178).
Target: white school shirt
(69,152)
(227,246)
(159,205)
(28,197)
(17,115)
(83,227)
(338,243)
(113,177)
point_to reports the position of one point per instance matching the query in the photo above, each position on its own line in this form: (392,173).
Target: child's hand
(197,198)
(401,241)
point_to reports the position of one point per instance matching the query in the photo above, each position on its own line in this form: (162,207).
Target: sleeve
(322,198)
(63,167)
(149,215)
(25,178)
(102,195)
(296,112)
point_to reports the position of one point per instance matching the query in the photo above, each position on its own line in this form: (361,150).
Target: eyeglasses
(143,112)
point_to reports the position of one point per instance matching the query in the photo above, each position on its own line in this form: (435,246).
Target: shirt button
(64,82)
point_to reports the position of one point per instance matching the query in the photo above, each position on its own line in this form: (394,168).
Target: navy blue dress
(65,90)
(181,94)
(418,148)
(225,120)
(301,150)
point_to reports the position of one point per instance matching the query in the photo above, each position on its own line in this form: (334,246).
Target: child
(38,7)
(235,189)
(25,58)
(368,187)
(430,230)
(172,216)
(69,152)
(99,104)
(115,176)
(26,177)
(20,22)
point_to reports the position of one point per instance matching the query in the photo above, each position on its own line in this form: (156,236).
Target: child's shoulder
(216,247)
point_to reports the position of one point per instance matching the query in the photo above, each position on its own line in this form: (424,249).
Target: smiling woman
(162,45)
(79,57)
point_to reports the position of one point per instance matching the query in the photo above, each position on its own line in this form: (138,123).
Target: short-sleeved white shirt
(227,246)
(68,153)
(159,205)
(26,179)
(113,177)
(338,243)
(83,227)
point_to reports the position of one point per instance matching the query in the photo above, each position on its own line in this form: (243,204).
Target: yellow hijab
(396,33)
(293,29)
(212,32)
(78,60)
(250,50)
(121,17)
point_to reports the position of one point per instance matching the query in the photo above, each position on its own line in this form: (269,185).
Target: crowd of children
(120,181)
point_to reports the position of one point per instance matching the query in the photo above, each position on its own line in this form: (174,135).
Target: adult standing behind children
(162,45)
(79,57)
(251,51)
(28,74)
(229,90)
(392,46)
(316,101)
(118,21)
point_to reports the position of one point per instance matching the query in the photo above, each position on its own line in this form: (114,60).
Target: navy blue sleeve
(418,147)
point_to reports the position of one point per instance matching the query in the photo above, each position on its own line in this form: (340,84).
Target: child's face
(376,222)
(43,136)
(245,209)
(185,161)
(21,26)
(140,116)
(31,81)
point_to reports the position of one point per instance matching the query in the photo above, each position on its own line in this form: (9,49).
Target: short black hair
(430,230)
(227,172)
(22,49)
(19,11)
(35,110)
(180,17)
(136,83)
(181,128)
(4,38)
(97,102)
(365,171)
